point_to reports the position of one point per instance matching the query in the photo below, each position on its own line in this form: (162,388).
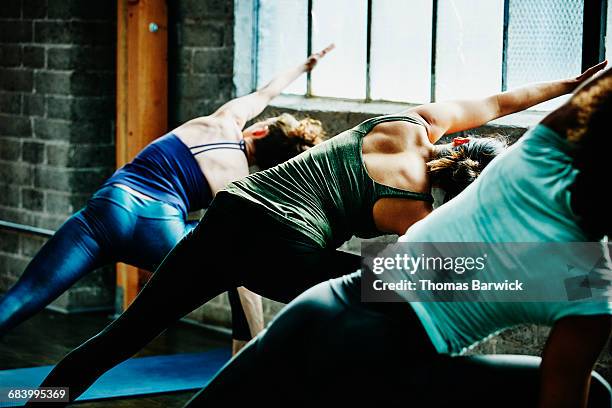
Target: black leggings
(328,349)
(235,244)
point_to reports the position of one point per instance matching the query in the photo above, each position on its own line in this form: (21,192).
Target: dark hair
(287,138)
(457,167)
(590,109)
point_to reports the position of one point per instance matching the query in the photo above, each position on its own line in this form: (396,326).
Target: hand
(586,75)
(314,58)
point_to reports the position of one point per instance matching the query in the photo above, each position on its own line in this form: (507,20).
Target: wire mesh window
(424,50)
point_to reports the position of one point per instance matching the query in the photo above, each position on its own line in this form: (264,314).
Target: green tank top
(325,193)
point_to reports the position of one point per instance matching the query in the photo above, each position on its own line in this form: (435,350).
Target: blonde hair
(287,137)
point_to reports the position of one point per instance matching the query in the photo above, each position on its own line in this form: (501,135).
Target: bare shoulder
(213,127)
(396,137)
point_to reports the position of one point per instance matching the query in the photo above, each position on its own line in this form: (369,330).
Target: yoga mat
(136,376)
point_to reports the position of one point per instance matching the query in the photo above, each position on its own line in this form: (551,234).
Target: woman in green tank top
(276,231)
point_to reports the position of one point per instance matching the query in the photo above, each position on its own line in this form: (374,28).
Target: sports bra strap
(366,126)
(383,191)
(229,145)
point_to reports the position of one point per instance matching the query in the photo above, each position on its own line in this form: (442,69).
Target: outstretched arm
(455,116)
(249,106)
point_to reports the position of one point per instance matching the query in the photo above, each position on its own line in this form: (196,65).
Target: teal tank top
(325,193)
(522,196)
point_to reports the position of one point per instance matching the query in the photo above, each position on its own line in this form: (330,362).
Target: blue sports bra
(166,170)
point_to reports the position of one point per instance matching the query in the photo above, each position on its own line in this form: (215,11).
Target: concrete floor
(48,336)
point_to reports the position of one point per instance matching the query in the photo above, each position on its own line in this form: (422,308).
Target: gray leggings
(327,348)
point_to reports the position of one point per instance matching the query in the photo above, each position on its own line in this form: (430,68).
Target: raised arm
(247,107)
(455,116)
(571,351)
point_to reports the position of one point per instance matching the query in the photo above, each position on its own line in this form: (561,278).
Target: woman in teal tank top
(328,348)
(276,231)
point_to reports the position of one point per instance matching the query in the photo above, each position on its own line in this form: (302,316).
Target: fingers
(327,49)
(323,52)
(314,58)
(593,70)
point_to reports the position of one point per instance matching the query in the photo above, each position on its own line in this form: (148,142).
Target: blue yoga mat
(136,376)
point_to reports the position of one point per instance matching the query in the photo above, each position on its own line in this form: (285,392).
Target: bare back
(395,154)
(220,166)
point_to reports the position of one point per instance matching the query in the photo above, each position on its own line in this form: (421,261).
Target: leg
(246,321)
(242,381)
(174,290)
(71,253)
(247,316)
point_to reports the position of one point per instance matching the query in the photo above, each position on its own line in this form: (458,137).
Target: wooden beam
(142,97)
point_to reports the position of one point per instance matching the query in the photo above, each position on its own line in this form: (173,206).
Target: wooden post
(142,97)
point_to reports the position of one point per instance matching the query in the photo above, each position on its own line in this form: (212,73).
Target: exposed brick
(33,104)
(30,245)
(57,154)
(199,10)
(228,36)
(64,203)
(9,195)
(213,61)
(15,265)
(87,181)
(10,149)
(202,35)
(81,57)
(184,63)
(74,32)
(10,9)
(10,55)
(80,108)
(76,132)
(77,180)
(52,178)
(202,85)
(32,199)
(33,57)
(16,215)
(18,79)
(34,8)
(52,82)
(16,173)
(16,31)
(93,83)
(6,281)
(190,108)
(80,156)
(10,102)
(12,125)
(33,152)
(52,222)
(92,10)
(9,241)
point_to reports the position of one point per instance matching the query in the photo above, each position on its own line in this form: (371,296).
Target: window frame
(593,44)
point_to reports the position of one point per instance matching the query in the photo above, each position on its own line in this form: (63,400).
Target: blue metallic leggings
(114,226)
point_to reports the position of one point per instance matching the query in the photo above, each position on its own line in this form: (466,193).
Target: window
(425,50)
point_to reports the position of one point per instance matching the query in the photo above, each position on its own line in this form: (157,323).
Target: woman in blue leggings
(140,212)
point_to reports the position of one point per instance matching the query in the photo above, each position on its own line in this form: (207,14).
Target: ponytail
(460,165)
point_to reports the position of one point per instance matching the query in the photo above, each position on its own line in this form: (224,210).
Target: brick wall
(56,125)
(201,54)
(56,136)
